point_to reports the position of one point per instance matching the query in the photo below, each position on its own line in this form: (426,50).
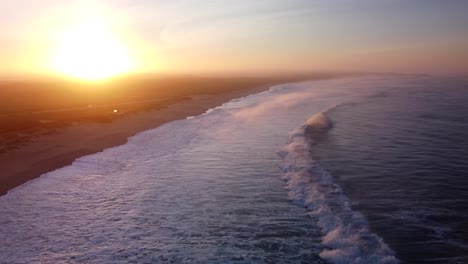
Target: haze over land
(233,131)
(98,39)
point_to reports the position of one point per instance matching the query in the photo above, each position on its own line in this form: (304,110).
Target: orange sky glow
(101,39)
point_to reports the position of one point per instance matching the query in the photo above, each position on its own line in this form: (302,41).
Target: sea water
(401,158)
(251,181)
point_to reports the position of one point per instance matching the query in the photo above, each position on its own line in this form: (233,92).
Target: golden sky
(98,39)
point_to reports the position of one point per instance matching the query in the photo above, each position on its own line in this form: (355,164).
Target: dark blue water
(401,157)
(239,184)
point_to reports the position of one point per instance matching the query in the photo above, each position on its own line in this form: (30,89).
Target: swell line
(346,235)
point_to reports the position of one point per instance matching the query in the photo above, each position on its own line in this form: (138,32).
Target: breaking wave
(346,235)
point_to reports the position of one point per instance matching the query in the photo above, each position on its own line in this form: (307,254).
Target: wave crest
(317,125)
(346,235)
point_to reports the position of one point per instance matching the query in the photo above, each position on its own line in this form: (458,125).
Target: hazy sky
(204,36)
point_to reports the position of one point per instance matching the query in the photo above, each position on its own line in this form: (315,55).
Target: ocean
(351,170)
(401,158)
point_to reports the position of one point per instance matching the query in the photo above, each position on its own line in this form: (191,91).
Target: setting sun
(91,51)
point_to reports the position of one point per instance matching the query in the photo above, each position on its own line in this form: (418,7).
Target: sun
(90,51)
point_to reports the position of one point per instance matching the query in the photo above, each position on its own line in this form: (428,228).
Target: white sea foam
(197,190)
(319,121)
(346,235)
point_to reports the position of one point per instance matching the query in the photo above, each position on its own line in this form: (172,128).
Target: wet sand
(49,152)
(48,146)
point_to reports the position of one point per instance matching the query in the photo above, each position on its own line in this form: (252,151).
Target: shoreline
(50,152)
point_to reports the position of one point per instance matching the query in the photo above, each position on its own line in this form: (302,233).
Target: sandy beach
(34,156)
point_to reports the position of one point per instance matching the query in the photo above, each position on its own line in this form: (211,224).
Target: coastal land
(47,124)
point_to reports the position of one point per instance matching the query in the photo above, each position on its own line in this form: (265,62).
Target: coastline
(50,152)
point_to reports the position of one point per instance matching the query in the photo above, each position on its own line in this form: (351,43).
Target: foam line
(346,235)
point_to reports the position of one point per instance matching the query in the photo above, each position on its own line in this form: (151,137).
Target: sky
(243,36)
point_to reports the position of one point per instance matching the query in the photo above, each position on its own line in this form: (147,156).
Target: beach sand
(49,152)
(44,150)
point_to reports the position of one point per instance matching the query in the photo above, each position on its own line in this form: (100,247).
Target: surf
(346,237)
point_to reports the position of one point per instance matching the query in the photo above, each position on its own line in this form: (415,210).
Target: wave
(346,235)
(317,125)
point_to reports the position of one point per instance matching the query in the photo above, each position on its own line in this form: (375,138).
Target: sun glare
(90,51)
